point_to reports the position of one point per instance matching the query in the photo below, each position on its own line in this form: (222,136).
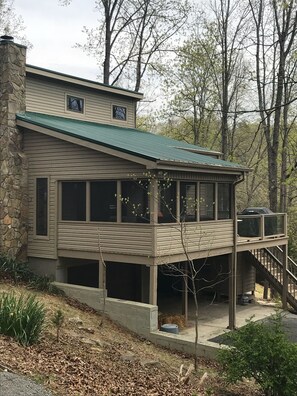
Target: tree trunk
(106,64)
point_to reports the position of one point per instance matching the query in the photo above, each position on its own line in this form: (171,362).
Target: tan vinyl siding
(59,160)
(202,236)
(49,97)
(138,239)
(132,239)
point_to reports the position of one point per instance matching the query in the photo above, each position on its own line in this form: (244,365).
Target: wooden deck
(160,243)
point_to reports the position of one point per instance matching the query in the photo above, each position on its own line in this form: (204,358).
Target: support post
(153,284)
(262,227)
(233,267)
(265,290)
(185,302)
(232,291)
(285,277)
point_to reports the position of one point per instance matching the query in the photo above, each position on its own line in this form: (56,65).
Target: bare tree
(231,29)
(11,23)
(131,34)
(275,27)
(187,271)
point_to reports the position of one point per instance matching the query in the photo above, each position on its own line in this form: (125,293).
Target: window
(188,201)
(167,202)
(74,201)
(75,104)
(135,205)
(103,201)
(224,201)
(42,206)
(119,113)
(207,201)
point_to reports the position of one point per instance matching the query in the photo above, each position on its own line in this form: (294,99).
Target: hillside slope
(90,359)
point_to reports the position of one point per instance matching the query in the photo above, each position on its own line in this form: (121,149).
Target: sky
(53,30)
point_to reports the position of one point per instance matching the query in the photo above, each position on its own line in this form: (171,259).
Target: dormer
(53,93)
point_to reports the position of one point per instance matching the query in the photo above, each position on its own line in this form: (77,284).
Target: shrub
(43,283)
(263,352)
(20,272)
(15,270)
(21,317)
(58,320)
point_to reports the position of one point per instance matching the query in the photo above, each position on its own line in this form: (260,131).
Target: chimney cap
(5,37)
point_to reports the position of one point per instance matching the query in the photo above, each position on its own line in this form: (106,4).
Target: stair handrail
(292,266)
(289,272)
(291,295)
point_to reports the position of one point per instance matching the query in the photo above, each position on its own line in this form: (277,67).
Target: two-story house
(91,200)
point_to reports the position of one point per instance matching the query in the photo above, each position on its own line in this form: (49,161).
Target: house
(90,200)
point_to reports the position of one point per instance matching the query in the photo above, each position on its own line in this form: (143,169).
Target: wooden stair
(270,263)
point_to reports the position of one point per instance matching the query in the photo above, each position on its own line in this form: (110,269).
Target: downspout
(233,262)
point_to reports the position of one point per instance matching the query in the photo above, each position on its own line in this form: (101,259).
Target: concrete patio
(214,316)
(213,319)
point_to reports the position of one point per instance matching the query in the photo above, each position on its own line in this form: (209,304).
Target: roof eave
(191,167)
(34,70)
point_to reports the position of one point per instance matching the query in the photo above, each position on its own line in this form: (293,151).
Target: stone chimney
(13,164)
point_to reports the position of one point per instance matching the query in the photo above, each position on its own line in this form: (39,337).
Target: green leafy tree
(190,83)
(261,350)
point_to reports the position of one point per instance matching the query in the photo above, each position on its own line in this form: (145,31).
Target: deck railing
(262,226)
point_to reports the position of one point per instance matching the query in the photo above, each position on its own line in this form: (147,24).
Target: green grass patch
(21,317)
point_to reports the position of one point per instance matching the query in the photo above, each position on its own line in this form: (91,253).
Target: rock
(76,321)
(150,363)
(87,341)
(128,357)
(86,329)
(203,378)
(96,349)
(101,343)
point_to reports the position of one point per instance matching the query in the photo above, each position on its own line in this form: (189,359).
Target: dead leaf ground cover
(105,360)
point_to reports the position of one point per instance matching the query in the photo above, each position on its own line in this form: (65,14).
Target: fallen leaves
(92,361)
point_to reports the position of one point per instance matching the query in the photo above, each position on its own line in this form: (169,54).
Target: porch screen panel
(135,202)
(207,201)
(167,202)
(42,206)
(224,201)
(74,201)
(103,201)
(188,201)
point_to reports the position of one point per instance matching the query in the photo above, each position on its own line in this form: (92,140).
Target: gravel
(16,385)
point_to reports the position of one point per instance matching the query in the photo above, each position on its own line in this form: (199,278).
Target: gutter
(167,165)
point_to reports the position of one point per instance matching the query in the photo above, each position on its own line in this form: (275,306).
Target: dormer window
(74,103)
(119,113)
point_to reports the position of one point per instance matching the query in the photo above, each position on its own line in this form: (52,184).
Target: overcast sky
(53,30)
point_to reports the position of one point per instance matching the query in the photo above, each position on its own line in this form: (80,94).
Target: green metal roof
(129,140)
